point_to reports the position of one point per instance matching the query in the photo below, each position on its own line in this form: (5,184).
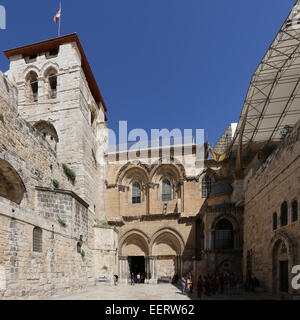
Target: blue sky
(162,63)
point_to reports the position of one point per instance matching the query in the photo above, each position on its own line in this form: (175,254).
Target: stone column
(147,270)
(123,267)
(180,265)
(153,269)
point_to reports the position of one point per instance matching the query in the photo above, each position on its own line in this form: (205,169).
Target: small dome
(221,189)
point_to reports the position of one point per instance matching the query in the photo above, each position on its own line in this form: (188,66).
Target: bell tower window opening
(33,86)
(52,83)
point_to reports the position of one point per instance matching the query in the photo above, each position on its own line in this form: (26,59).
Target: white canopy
(273,98)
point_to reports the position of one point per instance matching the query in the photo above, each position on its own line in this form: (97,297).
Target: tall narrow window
(274,221)
(136,193)
(284,214)
(51,76)
(32,87)
(37,240)
(206,186)
(294,210)
(166,190)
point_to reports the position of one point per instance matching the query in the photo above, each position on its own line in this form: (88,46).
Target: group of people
(137,278)
(211,284)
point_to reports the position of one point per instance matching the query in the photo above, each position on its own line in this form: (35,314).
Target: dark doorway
(137,266)
(284,276)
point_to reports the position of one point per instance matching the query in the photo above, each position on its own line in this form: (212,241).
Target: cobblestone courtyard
(151,292)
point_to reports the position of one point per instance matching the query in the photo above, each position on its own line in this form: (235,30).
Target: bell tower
(59,96)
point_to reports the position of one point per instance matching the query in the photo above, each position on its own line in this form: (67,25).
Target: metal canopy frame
(273,97)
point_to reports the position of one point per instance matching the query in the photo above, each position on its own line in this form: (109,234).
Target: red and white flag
(57,16)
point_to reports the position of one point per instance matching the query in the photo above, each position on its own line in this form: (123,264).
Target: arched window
(206,186)
(32,86)
(284,214)
(274,221)
(37,240)
(49,132)
(136,192)
(51,76)
(166,190)
(294,210)
(224,238)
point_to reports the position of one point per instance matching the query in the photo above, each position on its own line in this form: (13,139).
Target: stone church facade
(69,214)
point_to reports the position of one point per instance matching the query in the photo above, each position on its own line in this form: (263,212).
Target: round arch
(170,237)
(176,170)
(46,126)
(226,232)
(31,68)
(49,132)
(134,243)
(129,169)
(210,172)
(232,219)
(48,66)
(11,184)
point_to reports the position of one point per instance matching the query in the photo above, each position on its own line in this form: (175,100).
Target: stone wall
(276,181)
(61,214)
(58,269)
(25,149)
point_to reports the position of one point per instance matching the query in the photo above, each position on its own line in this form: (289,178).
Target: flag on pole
(57,16)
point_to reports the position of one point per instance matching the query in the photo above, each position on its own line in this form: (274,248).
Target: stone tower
(59,96)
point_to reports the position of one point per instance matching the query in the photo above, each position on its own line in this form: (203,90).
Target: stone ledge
(62,191)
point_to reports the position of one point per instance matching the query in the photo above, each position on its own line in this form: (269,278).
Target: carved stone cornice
(109,186)
(152,217)
(119,222)
(152,185)
(225,208)
(122,188)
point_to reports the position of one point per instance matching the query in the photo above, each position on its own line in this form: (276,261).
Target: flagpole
(59,20)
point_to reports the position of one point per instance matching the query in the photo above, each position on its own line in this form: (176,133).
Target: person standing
(192,284)
(183,285)
(214,284)
(227,284)
(188,285)
(116,278)
(132,279)
(221,281)
(207,285)
(200,283)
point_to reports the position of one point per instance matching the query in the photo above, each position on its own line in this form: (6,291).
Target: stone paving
(152,292)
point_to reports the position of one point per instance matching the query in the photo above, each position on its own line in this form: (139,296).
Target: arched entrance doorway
(280,267)
(166,252)
(134,256)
